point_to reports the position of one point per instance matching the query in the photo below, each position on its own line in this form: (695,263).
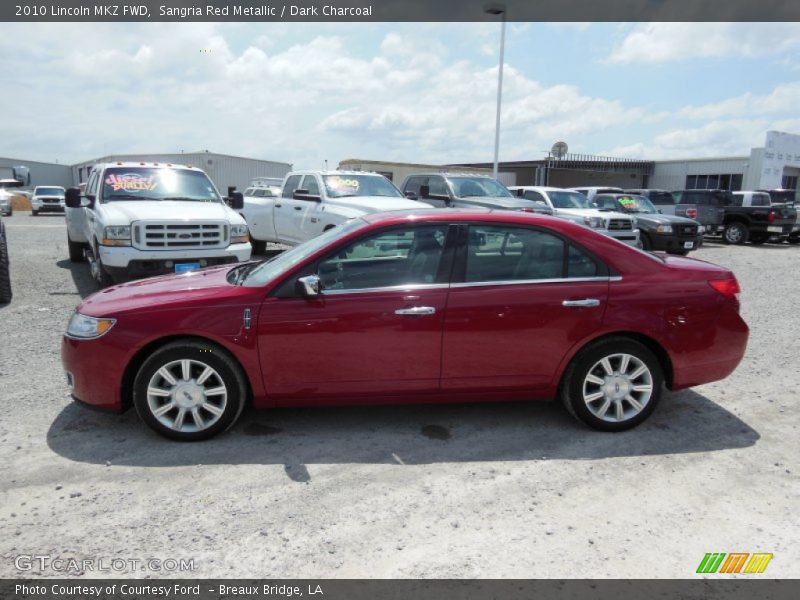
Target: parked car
(676,235)
(139,219)
(5,278)
(663,200)
(576,207)
(751,216)
(6,207)
(591,192)
(48,198)
(311,202)
(787,198)
(413,306)
(462,190)
(707,207)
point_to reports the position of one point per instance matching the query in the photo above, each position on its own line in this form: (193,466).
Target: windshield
(636,204)
(49,191)
(476,187)
(664,198)
(146,183)
(569,200)
(342,186)
(275,267)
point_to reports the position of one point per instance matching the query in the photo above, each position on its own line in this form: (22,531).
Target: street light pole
(498,9)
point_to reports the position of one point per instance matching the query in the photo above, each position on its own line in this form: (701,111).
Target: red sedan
(430,306)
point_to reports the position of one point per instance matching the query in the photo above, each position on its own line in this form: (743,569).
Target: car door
(520,299)
(284,211)
(375,328)
(307,212)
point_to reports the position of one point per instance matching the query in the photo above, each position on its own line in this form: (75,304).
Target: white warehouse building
(223,169)
(776,165)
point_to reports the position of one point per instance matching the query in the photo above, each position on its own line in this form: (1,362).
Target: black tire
(227,374)
(647,244)
(101,276)
(586,361)
(34,213)
(735,233)
(794,240)
(76,253)
(5,277)
(259,247)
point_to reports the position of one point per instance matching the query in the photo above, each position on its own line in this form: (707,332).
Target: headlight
(117,236)
(593,222)
(239,234)
(664,229)
(88,328)
(701,229)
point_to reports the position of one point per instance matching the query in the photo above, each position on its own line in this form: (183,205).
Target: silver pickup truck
(704,206)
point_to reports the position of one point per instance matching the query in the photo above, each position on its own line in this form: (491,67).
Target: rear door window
(292,183)
(513,254)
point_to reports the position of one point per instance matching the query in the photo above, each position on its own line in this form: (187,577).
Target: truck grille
(620,225)
(687,230)
(179,236)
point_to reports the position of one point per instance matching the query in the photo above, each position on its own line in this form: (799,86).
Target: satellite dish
(559,149)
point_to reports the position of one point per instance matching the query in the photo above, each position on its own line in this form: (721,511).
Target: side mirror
(411,195)
(236,200)
(231,189)
(309,286)
(424,191)
(72,197)
(660,211)
(302,194)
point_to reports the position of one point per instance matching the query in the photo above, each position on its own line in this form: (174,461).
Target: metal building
(223,169)
(396,172)
(41,173)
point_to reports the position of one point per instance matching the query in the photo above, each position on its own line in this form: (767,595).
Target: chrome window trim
(391,288)
(467,284)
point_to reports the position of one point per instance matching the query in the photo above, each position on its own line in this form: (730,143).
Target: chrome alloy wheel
(617,387)
(187,395)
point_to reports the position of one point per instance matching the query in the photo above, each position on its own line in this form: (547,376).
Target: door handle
(585,303)
(416,311)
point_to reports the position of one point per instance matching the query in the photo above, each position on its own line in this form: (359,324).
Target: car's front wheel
(189,391)
(613,385)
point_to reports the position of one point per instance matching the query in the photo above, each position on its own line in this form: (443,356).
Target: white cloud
(662,42)
(784,97)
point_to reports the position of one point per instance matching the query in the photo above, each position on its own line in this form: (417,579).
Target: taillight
(727,287)
(691,213)
(771,216)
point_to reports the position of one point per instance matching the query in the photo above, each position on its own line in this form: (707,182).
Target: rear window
(662,198)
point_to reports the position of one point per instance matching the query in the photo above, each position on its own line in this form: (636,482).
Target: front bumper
(675,243)
(123,257)
(627,236)
(47,206)
(94,370)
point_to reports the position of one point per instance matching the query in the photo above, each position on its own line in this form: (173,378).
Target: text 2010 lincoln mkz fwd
(424,306)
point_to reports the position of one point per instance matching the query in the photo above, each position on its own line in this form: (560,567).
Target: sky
(306,93)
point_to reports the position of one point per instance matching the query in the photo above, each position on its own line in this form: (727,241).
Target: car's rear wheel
(189,391)
(613,385)
(735,233)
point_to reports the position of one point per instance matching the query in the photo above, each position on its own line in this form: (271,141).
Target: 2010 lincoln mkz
(423,306)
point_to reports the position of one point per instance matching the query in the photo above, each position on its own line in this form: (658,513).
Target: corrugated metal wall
(223,170)
(671,175)
(41,173)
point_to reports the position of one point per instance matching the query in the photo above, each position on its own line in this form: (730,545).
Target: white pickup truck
(139,219)
(575,206)
(311,202)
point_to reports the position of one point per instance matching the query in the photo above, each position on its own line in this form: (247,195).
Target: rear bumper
(715,359)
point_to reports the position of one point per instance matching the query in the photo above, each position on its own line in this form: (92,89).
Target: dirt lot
(508,490)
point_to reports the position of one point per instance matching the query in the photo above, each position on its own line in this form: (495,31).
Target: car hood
(657,219)
(593,212)
(206,286)
(124,213)
(498,202)
(378,203)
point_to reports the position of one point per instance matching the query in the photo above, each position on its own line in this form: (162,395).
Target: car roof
(458,215)
(313,172)
(544,188)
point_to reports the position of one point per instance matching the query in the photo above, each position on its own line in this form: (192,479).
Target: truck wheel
(5,278)
(99,273)
(76,253)
(735,233)
(259,247)
(189,391)
(612,385)
(645,241)
(34,213)
(794,240)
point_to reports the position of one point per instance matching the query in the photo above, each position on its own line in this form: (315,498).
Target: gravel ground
(502,490)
